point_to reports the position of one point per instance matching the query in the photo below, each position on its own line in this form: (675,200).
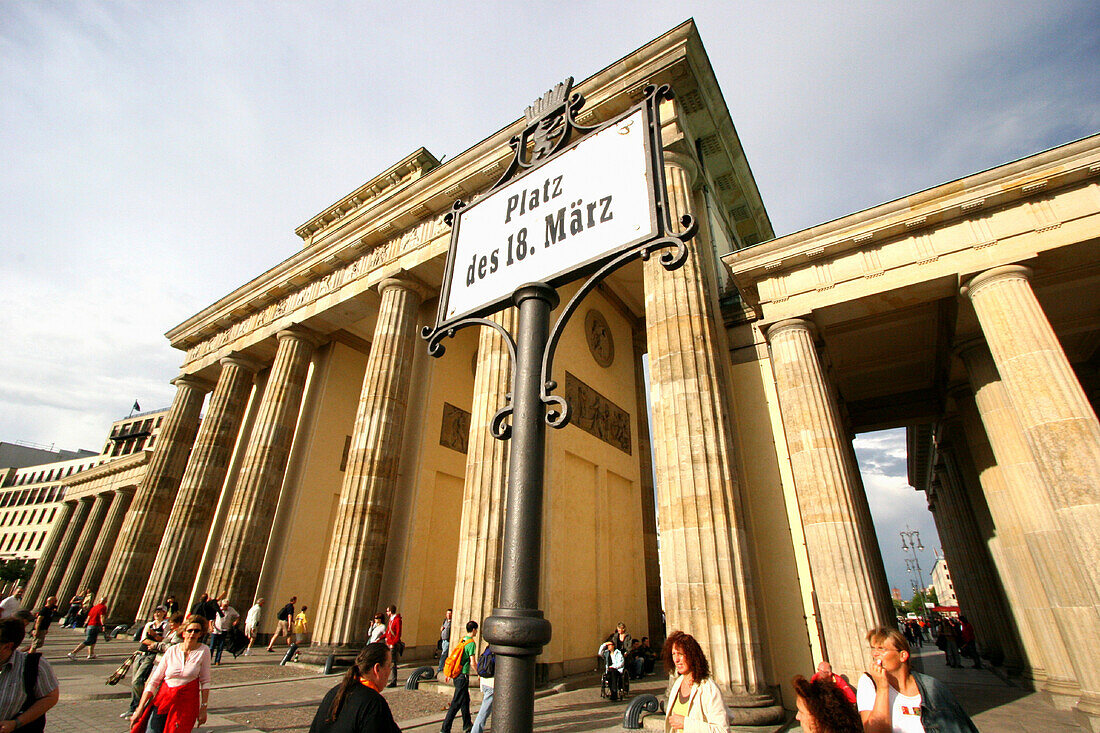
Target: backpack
(487,663)
(453,666)
(283,614)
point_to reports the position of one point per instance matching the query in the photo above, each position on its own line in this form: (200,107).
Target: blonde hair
(880,634)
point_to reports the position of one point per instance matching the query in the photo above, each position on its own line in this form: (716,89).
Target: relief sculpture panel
(597,415)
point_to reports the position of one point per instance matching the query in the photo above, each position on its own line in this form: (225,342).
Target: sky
(155,156)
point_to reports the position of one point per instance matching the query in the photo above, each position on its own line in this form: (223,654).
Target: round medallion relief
(599,339)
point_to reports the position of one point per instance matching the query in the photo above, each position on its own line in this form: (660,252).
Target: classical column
(994,627)
(240,552)
(1068,591)
(189,525)
(105,543)
(651,560)
(704,548)
(82,550)
(837,539)
(1042,640)
(132,558)
(353,571)
(35,591)
(60,566)
(481,528)
(1058,421)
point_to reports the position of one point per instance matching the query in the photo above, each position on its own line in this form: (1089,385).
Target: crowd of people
(171,671)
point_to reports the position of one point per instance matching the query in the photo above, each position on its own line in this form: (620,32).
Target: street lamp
(910,542)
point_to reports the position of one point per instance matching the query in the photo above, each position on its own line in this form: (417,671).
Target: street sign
(587,202)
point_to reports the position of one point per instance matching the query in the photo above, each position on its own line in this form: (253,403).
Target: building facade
(339,463)
(943,584)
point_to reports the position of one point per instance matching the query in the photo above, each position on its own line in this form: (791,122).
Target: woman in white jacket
(695,703)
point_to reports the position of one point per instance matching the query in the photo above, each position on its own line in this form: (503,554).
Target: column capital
(192,381)
(405,282)
(965,348)
(240,360)
(86,499)
(300,333)
(1004,272)
(791,324)
(124,491)
(684,161)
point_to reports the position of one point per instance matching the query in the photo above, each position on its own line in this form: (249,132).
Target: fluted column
(837,539)
(1039,634)
(61,564)
(995,629)
(82,550)
(189,525)
(105,542)
(1068,591)
(128,568)
(1058,421)
(35,593)
(238,559)
(704,548)
(481,528)
(353,571)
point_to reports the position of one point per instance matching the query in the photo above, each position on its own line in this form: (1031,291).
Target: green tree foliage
(19,570)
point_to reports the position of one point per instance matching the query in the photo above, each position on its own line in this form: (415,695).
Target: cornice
(109,468)
(985,191)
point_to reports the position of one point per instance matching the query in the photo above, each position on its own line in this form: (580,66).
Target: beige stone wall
(593,573)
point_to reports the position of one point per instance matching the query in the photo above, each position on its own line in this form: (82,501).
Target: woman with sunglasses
(176,694)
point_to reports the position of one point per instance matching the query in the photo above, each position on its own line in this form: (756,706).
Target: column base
(747,708)
(1087,712)
(1063,693)
(343,654)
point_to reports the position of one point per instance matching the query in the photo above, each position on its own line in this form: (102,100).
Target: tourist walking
(42,621)
(460,702)
(13,604)
(252,623)
(356,705)
(155,633)
(225,620)
(694,700)
(283,628)
(176,695)
(444,641)
(97,615)
(891,697)
(486,673)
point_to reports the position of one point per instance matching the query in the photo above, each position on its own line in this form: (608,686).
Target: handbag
(30,679)
(123,669)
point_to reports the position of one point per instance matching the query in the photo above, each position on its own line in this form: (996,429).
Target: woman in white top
(252,623)
(377,629)
(694,703)
(177,688)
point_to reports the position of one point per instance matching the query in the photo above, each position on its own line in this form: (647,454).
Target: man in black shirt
(285,618)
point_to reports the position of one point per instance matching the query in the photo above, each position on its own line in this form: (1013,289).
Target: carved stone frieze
(454,433)
(370,260)
(597,415)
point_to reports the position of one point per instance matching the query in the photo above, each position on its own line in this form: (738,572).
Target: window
(159,419)
(41,539)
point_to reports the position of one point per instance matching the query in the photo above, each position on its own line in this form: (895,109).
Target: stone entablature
(115,474)
(368,235)
(1007,214)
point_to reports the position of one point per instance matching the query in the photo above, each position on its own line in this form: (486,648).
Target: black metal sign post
(517,630)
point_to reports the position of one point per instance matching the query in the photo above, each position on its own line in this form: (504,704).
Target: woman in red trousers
(176,694)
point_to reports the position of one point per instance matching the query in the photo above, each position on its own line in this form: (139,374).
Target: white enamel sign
(585,203)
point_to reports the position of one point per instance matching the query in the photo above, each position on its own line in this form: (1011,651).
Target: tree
(17,570)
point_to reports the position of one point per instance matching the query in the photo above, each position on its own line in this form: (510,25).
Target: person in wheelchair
(613,677)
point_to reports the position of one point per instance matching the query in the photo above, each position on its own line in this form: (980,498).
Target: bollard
(632,718)
(290,651)
(329,661)
(420,673)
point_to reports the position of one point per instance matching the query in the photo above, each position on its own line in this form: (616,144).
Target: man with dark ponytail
(356,704)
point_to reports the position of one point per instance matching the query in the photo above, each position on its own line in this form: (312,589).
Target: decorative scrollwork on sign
(551,123)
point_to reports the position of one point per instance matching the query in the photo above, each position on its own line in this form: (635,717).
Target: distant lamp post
(910,542)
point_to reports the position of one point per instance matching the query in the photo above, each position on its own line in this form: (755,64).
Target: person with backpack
(285,617)
(486,671)
(457,668)
(30,687)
